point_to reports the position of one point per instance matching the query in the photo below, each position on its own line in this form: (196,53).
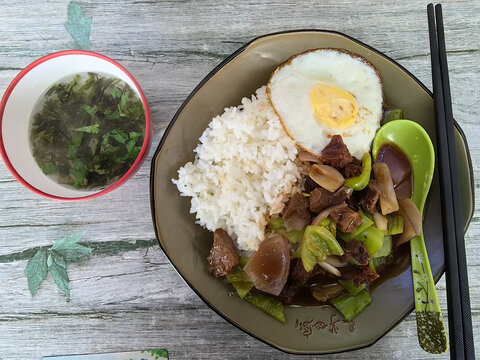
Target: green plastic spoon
(417,146)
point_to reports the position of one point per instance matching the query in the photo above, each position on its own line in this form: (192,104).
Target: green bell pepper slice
(379,261)
(243,261)
(278,226)
(240,281)
(359,182)
(297,253)
(328,224)
(267,304)
(395,114)
(394,225)
(386,248)
(351,288)
(316,245)
(352,305)
(372,237)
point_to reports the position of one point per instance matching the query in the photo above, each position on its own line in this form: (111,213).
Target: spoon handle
(430,326)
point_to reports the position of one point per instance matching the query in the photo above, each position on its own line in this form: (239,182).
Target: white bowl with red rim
(16,113)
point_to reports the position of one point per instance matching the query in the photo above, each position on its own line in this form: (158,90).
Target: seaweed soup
(87,130)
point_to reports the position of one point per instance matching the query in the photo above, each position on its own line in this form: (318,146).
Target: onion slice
(330,268)
(306,156)
(388,198)
(326,176)
(326,212)
(412,221)
(327,292)
(381,221)
(413,214)
(335,261)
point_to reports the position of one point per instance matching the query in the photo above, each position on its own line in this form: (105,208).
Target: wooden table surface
(126,295)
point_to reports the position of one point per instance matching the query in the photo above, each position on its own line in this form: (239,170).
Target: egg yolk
(333,106)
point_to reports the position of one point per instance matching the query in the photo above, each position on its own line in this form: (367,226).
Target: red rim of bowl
(143,151)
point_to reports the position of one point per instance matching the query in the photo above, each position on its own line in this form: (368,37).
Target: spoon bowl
(414,141)
(417,146)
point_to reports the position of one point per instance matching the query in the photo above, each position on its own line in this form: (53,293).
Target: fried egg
(324,92)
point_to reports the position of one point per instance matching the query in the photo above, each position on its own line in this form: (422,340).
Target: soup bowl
(19,104)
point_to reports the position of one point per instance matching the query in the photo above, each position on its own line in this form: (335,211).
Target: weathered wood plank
(128,296)
(136,298)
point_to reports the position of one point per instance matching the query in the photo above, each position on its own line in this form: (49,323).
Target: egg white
(289,92)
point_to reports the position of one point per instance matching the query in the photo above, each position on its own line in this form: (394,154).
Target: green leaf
(119,136)
(66,241)
(105,139)
(49,169)
(49,260)
(90,110)
(111,149)
(79,26)
(92,129)
(131,145)
(160,353)
(54,260)
(78,163)
(123,101)
(58,270)
(36,270)
(116,93)
(77,139)
(113,116)
(134,135)
(69,248)
(80,177)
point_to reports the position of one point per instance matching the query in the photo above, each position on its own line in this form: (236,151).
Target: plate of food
(266,199)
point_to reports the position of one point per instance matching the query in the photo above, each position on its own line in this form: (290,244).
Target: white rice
(243,172)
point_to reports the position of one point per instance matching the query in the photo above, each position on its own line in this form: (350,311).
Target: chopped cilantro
(90,111)
(49,169)
(130,145)
(91,129)
(116,93)
(113,116)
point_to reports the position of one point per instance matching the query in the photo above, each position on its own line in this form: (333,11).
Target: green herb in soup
(89,131)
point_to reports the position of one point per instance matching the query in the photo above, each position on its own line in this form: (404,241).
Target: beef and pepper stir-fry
(334,240)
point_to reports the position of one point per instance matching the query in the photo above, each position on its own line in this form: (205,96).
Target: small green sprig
(54,260)
(159,354)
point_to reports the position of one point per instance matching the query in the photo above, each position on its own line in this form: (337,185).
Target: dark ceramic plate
(307,330)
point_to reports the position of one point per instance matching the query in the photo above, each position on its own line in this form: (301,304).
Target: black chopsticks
(458,298)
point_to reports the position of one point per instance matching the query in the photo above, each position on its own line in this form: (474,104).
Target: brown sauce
(400,169)
(399,263)
(304,297)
